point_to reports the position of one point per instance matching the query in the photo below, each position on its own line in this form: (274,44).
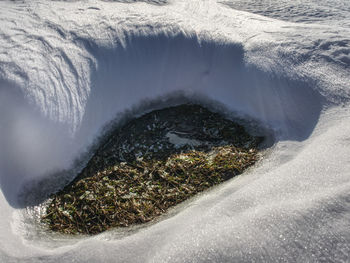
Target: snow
(67,68)
(179,141)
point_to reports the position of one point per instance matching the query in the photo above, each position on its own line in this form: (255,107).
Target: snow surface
(69,67)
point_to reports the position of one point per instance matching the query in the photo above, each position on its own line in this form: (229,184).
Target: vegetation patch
(149,165)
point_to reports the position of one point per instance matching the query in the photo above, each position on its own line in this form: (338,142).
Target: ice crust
(69,67)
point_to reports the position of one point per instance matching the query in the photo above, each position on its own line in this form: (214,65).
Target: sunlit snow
(68,68)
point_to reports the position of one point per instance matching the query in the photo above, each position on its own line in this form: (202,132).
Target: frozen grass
(135,187)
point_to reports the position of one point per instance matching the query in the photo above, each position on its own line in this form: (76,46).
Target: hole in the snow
(150,164)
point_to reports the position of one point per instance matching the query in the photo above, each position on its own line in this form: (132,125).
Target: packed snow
(69,68)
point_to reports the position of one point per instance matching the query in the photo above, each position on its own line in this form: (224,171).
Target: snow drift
(151,67)
(68,68)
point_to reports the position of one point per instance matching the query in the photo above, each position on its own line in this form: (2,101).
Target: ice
(67,68)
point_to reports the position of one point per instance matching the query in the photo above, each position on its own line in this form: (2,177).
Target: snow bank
(68,68)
